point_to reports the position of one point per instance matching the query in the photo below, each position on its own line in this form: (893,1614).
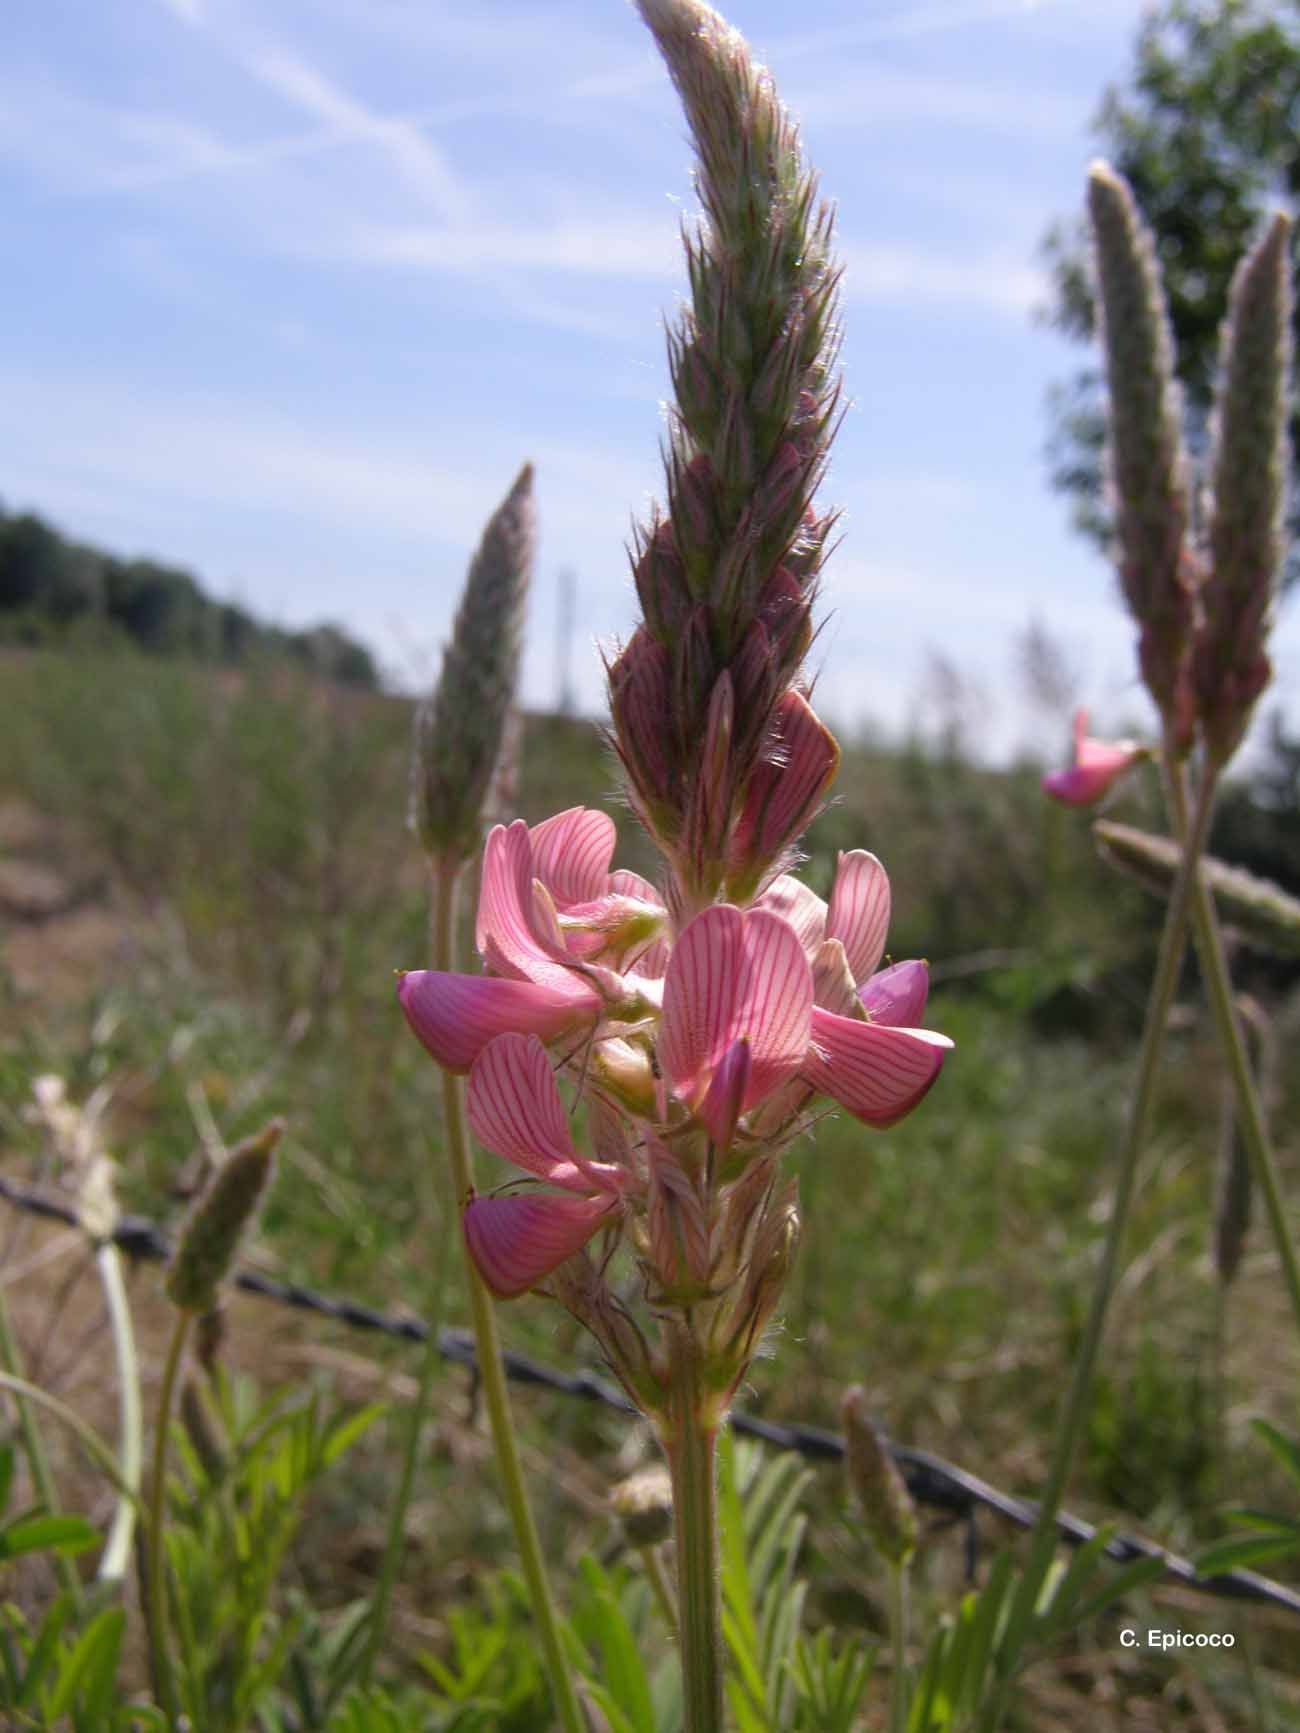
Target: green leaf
(57,1534)
(1286,1450)
(92,1664)
(344,1434)
(623,1669)
(1126,1580)
(1247,1549)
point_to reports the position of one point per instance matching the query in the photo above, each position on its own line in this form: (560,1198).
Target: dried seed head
(210,1238)
(463,727)
(1231,665)
(1147,468)
(643,1504)
(882,1495)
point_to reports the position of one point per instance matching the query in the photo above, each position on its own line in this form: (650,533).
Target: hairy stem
(1218,986)
(692,1451)
(487,1342)
(117,1551)
(1070,1426)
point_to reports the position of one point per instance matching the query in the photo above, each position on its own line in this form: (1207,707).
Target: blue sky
(295,286)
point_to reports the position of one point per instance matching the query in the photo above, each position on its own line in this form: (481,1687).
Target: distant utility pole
(565,615)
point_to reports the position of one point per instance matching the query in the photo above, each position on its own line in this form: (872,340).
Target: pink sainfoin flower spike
(1098,765)
(549,912)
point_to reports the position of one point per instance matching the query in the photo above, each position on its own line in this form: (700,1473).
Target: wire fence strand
(938,1485)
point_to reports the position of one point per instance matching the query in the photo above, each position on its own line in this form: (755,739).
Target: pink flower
(741,1022)
(515,1111)
(737,1014)
(866,1049)
(551,919)
(1097,765)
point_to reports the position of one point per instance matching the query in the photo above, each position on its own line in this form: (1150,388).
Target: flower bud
(643,1504)
(784,792)
(882,1495)
(210,1238)
(460,730)
(1148,470)
(1231,666)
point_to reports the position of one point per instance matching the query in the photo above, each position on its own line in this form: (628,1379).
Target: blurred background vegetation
(206,885)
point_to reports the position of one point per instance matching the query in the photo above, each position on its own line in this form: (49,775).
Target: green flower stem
(156,1587)
(691,1448)
(117,1551)
(416,1416)
(899,1619)
(1218,986)
(653,1565)
(33,1444)
(487,1341)
(1163,985)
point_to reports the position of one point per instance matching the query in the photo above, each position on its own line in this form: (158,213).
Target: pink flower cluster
(696,1052)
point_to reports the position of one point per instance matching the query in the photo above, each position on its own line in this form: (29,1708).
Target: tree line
(53,590)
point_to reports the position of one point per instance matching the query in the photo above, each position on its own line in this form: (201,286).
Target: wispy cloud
(423,166)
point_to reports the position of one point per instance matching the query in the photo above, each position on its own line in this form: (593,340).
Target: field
(206,885)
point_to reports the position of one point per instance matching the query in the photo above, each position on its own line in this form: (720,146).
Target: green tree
(1207,133)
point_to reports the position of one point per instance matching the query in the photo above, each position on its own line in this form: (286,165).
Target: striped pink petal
(859,911)
(512,932)
(515,1241)
(790,898)
(572,852)
(734,974)
(516,1111)
(878,1073)
(897,996)
(455,1016)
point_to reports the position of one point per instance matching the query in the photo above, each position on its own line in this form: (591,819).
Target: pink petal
(1097,765)
(859,911)
(724,1102)
(790,898)
(734,974)
(515,1241)
(572,852)
(512,932)
(878,1073)
(896,996)
(787,786)
(516,1112)
(455,1016)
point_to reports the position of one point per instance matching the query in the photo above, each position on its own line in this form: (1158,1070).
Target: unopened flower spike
(1146,463)
(727,575)
(463,730)
(1246,535)
(1098,765)
(210,1239)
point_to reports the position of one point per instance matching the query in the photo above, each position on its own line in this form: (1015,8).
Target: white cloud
(421,163)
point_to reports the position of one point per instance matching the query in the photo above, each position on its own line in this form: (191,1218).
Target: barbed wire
(933,1482)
